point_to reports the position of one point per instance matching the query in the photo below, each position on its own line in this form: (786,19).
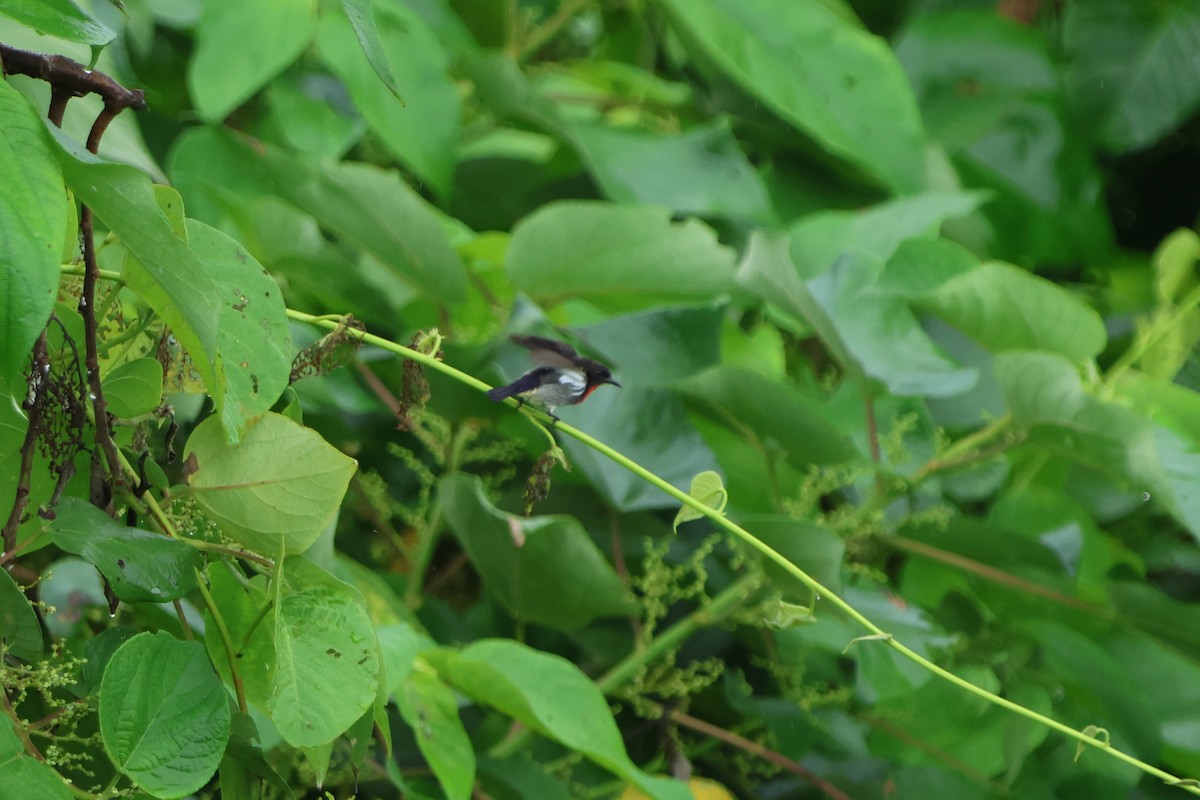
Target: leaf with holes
(140,566)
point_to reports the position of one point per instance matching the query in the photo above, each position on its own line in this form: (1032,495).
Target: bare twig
(87,308)
(70,78)
(537,39)
(756,749)
(39,380)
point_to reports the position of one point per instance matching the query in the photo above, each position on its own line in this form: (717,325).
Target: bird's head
(597,374)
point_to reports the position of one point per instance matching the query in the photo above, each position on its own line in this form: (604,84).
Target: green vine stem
(875,633)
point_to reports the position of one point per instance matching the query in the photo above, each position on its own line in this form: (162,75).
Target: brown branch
(635,621)
(380,389)
(87,309)
(58,104)
(990,573)
(881,724)
(91,352)
(872,429)
(756,749)
(39,380)
(71,77)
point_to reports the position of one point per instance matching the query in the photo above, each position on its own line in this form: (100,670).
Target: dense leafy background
(916,279)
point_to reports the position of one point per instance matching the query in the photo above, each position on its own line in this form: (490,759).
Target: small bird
(563,377)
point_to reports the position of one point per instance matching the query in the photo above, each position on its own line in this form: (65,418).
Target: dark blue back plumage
(526,383)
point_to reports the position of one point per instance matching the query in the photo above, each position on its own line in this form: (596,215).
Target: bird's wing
(549,352)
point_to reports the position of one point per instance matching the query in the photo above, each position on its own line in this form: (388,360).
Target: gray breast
(570,384)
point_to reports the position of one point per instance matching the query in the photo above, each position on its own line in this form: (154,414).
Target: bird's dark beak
(614,383)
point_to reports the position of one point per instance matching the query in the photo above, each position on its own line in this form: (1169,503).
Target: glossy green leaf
(1169,404)
(708,489)
(1160,618)
(768,271)
(253,336)
(171,204)
(881,333)
(1098,683)
(361,14)
(648,425)
(871,332)
(621,257)
(1063,526)
(276,490)
(660,346)
(246,610)
(74,587)
(1003,307)
(215,174)
(1175,487)
(21,775)
(99,650)
(1152,664)
(519,777)
(1040,387)
(326,665)
(10,745)
(544,570)
(1046,397)
(505,90)
(430,708)
(817,68)
(378,212)
(419,130)
(813,548)
(400,645)
(134,388)
(140,566)
(776,412)
(61,18)
(983,733)
(921,265)
(1131,72)
(818,240)
(552,696)
(990,92)
(241,46)
(160,267)
(19,627)
(883,675)
(1174,263)
(303,113)
(33,220)
(164,715)
(700,171)
(244,757)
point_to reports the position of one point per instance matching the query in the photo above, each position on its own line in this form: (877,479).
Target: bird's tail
(500,392)
(526,383)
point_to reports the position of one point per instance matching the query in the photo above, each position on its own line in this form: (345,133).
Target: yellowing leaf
(709,490)
(702,789)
